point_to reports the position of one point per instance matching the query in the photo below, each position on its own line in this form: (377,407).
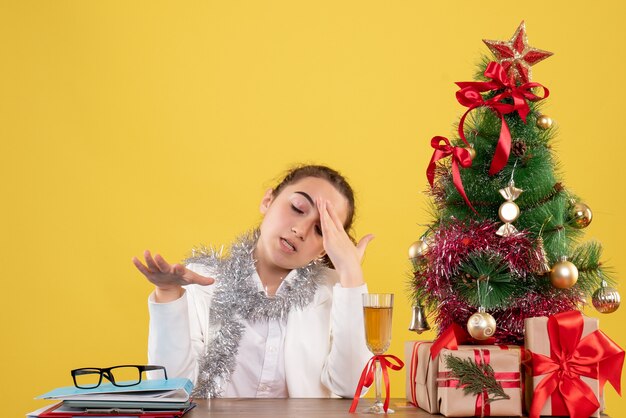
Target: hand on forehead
(311,188)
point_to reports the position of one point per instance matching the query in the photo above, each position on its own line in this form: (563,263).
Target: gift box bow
(595,356)
(454,336)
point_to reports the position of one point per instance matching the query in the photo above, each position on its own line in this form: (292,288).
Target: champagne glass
(377,312)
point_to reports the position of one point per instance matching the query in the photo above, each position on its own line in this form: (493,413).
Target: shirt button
(272,349)
(263,388)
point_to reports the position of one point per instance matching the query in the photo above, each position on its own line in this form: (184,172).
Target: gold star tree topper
(516,56)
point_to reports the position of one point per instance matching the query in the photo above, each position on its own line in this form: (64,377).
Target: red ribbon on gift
(595,356)
(470,96)
(367,377)
(455,335)
(505,379)
(450,338)
(460,156)
(482,407)
(413,371)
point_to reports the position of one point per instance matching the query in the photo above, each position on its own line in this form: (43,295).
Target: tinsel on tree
(507,228)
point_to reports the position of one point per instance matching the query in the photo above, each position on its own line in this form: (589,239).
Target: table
(297,408)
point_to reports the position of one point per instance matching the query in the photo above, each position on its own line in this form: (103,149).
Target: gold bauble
(564,274)
(418,249)
(580,215)
(508,212)
(481,325)
(544,122)
(606,299)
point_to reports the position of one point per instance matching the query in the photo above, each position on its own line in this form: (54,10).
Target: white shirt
(260,370)
(321,347)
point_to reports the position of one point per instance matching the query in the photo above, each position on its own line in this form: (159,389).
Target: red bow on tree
(595,356)
(460,156)
(470,96)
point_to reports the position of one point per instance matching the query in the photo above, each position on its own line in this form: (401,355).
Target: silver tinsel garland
(237,298)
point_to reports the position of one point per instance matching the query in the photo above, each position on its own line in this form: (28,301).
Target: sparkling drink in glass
(377,314)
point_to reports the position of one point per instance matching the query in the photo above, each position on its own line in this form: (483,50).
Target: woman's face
(291,234)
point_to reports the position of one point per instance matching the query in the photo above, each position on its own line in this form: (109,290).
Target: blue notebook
(157,390)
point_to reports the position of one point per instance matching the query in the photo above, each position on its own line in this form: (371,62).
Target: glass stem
(378,375)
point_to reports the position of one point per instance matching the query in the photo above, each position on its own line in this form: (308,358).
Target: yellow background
(128,125)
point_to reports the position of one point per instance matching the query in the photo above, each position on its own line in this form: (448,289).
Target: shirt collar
(291,276)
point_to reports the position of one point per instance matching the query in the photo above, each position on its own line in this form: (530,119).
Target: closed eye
(297,210)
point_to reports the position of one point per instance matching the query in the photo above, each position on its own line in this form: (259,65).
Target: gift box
(569,360)
(421,376)
(423,367)
(506,365)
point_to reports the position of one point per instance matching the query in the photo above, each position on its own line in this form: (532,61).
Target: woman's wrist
(351,278)
(169,294)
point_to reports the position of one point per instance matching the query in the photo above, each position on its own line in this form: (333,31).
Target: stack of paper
(169,398)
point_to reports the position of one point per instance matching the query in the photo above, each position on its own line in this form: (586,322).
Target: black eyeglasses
(126,375)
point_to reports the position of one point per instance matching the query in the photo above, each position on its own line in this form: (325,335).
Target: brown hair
(333,177)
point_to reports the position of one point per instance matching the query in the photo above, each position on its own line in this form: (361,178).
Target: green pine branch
(474,378)
(586,257)
(485,280)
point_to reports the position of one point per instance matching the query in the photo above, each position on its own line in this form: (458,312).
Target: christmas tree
(505,242)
